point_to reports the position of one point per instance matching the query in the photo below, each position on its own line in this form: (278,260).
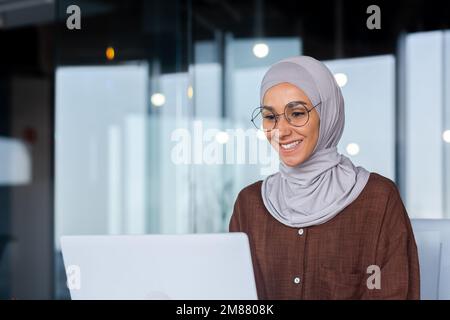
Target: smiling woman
(298,131)
(321,225)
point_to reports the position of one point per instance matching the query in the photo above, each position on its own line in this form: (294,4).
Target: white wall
(427,89)
(101,117)
(369,97)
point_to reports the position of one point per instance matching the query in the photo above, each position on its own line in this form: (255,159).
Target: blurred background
(87,116)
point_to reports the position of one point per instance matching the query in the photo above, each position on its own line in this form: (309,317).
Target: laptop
(163,267)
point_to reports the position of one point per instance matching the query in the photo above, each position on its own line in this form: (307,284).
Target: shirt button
(296,280)
(300,231)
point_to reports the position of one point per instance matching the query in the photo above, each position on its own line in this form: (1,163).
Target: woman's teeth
(290,145)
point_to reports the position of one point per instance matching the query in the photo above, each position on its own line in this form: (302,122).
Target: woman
(321,228)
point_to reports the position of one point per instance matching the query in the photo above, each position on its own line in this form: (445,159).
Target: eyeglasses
(295,112)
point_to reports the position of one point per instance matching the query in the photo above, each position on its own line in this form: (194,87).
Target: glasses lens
(297,115)
(268,119)
(263,119)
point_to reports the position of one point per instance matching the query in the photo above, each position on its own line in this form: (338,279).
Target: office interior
(88,117)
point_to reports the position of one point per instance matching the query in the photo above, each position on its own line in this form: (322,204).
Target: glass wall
(368,87)
(150,142)
(427,104)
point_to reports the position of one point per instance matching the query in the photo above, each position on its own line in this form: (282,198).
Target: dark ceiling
(142,29)
(322,24)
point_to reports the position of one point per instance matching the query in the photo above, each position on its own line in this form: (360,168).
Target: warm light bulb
(190,92)
(110,53)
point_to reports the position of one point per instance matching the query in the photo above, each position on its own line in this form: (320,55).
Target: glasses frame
(277,116)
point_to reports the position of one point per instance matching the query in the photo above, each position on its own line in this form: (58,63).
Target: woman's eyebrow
(297,102)
(289,103)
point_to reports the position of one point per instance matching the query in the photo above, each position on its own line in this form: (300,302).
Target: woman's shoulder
(252,191)
(383,195)
(247,202)
(381,185)
(386,197)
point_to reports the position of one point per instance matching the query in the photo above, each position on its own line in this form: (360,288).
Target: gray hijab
(318,189)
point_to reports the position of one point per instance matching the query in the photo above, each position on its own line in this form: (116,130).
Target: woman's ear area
(315,115)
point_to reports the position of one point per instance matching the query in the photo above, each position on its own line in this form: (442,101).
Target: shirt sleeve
(235,223)
(238,224)
(396,256)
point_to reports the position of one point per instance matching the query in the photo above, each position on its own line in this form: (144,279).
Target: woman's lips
(290,146)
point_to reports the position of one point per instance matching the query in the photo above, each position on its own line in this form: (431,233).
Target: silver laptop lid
(182,266)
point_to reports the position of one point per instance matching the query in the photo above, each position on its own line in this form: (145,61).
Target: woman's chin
(292,160)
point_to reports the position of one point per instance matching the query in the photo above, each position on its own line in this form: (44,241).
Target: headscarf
(316,190)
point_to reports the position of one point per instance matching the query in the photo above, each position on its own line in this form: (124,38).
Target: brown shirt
(331,260)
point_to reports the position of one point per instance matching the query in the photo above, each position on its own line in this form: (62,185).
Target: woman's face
(294,144)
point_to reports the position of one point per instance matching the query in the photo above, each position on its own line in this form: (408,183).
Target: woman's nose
(283,126)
